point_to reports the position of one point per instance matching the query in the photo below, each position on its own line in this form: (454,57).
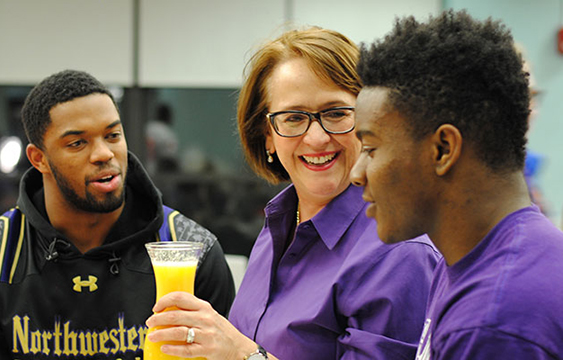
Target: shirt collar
(335,219)
(332,221)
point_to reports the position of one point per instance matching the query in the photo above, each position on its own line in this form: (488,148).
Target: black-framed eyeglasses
(293,123)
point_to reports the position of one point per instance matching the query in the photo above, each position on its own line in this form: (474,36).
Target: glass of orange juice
(174,264)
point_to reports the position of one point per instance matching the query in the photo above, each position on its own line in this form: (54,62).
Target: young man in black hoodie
(76,281)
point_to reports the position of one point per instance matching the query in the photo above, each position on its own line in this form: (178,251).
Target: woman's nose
(316,135)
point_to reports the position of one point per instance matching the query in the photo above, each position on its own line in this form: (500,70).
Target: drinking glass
(174,264)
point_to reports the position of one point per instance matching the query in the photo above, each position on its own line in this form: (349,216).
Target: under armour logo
(90,283)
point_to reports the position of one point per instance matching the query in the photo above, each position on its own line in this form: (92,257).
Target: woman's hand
(215,337)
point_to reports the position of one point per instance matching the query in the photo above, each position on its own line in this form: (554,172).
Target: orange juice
(174,276)
(170,276)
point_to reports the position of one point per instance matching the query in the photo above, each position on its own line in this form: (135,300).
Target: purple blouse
(337,292)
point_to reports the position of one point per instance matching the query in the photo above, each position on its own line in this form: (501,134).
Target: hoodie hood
(141,218)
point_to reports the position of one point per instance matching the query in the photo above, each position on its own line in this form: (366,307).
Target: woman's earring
(270,158)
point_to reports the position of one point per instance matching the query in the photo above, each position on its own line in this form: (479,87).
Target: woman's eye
(335,115)
(295,119)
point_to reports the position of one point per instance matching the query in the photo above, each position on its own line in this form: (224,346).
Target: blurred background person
(535,161)
(162,143)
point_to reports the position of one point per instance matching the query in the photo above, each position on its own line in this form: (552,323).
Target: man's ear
(447,143)
(37,158)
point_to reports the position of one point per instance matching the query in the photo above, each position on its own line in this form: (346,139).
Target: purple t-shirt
(503,300)
(338,292)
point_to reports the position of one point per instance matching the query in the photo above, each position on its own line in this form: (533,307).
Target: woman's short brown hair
(331,55)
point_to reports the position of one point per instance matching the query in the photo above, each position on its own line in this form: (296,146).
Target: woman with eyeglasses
(319,282)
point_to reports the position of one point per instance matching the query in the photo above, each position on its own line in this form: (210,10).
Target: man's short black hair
(457,70)
(56,89)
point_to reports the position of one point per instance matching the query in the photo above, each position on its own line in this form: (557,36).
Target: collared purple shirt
(337,292)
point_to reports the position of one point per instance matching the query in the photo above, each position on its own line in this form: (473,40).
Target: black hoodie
(62,304)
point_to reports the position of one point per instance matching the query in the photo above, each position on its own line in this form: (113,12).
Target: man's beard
(89,203)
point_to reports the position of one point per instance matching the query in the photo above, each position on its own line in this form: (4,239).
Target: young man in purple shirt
(442,119)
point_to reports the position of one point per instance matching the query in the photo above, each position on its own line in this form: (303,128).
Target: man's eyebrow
(114,124)
(70,133)
(79,132)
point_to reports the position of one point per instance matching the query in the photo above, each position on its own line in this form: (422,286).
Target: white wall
(361,20)
(193,43)
(182,43)
(38,38)
(207,43)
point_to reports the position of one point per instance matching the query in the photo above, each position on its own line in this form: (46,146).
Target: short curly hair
(58,88)
(331,55)
(457,70)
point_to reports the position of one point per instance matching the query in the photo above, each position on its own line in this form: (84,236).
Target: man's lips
(104,176)
(371,210)
(367,199)
(106,181)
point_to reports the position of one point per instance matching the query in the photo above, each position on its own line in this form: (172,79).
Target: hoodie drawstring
(52,254)
(114,260)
